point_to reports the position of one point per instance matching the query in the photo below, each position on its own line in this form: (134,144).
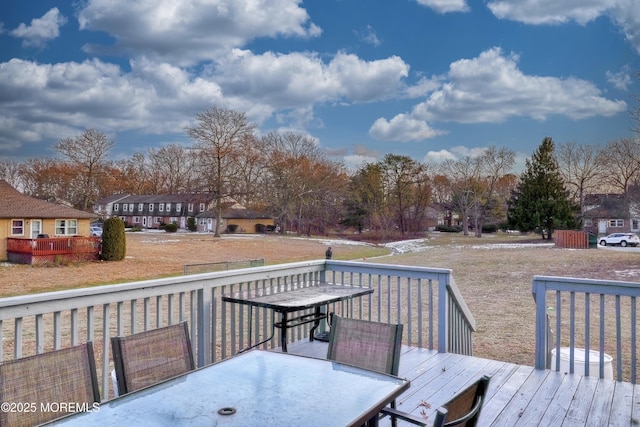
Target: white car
(622,239)
(95,231)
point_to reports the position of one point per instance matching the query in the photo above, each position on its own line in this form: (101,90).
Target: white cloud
(621,80)
(156,97)
(41,30)
(299,79)
(191,31)
(549,11)
(624,13)
(369,36)
(444,6)
(402,128)
(438,156)
(490,89)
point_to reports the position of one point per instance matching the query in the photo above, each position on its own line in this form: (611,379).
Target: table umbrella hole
(227,411)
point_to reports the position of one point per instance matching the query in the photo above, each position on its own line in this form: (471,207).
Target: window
(67,227)
(150,207)
(17,227)
(168,208)
(161,207)
(157,220)
(178,207)
(616,223)
(130,207)
(136,220)
(173,220)
(116,207)
(140,207)
(635,224)
(201,207)
(124,207)
(588,222)
(190,207)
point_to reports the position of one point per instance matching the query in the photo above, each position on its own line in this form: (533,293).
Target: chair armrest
(404,416)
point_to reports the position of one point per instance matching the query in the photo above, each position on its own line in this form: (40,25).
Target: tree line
(288,176)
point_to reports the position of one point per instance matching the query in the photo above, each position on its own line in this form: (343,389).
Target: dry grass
(494,278)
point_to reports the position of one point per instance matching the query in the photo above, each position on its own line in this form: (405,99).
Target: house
(611,213)
(236,219)
(104,206)
(25,217)
(147,211)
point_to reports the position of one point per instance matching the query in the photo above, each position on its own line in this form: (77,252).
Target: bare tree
(464,177)
(619,159)
(172,166)
(217,137)
(89,153)
(10,172)
(581,169)
(495,163)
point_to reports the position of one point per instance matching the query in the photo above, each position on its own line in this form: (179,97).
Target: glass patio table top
(256,387)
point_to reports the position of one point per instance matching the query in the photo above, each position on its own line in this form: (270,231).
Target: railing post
(540,296)
(443,318)
(204,326)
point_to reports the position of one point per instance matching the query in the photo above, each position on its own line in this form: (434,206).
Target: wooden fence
(572,239)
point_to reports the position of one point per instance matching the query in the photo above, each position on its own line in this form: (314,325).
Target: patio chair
(369,345)
(150,357)
(462,410)
(41,382)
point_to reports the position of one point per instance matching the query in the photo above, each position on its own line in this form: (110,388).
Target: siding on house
(244,220)
(151,211)
(19,214)
(610,213)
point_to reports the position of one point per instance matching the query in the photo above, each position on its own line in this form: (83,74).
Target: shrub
(232,228)
(489,228)
(191,224)
(448,228)
(171,228)
(114,241)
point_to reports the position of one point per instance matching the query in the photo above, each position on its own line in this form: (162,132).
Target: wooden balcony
(437,341)
(518,395)
(53,249)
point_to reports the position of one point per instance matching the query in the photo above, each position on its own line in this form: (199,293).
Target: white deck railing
(425,300)
(594,315)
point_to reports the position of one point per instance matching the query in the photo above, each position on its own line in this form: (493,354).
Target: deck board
(518,395)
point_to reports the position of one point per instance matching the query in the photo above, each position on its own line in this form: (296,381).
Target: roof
(235,214)
(14,204)
(166,198)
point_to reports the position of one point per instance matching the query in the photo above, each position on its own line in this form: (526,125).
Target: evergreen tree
(114,241)
(540,201)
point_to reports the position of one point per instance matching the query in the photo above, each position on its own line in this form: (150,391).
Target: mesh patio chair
(464,408)
(46,380)
(151,357)
(369,345)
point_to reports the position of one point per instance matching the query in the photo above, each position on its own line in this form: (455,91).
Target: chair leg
(394,421)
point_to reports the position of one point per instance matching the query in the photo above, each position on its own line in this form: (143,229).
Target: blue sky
(430,79)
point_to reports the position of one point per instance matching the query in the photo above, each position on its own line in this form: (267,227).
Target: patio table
(254,388)
(295,300)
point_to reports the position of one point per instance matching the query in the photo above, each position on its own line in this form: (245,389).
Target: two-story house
(148,211)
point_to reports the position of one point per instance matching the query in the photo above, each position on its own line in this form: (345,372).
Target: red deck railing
(33,251)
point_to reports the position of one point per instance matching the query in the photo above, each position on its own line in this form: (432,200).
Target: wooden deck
(518,395)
